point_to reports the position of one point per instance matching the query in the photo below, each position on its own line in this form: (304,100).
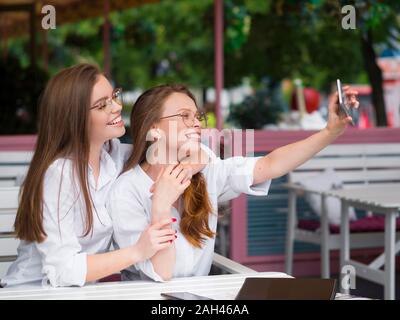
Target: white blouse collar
(108,169)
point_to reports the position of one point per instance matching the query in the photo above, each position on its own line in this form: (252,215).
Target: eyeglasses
(189,116)
(106,103)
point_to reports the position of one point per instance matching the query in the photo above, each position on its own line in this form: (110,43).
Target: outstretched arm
(284,159)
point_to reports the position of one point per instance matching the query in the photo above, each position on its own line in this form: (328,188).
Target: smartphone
(183,296)
(343,101)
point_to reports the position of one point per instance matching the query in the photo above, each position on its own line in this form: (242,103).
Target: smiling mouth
(193,135)
(117,120)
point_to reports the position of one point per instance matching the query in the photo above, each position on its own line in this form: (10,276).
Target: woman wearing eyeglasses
(166,126)
(62,222)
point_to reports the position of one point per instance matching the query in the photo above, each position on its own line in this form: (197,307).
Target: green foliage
(381,18)
(237,26)
(256,110)
(173,41)
(298,39)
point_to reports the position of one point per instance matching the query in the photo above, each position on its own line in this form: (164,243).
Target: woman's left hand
(338,121)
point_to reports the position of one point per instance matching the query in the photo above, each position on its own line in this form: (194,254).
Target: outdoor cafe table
(219,287)
(223,287)
(378,199)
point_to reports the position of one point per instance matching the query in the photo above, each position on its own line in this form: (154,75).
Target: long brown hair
(63,132)
(147,111)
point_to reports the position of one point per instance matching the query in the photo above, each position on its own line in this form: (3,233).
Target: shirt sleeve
(63,262)
(129,217)
(235,176)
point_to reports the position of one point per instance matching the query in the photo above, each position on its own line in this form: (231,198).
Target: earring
(156,134)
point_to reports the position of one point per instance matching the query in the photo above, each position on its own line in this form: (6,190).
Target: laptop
(274,289)
(287,289)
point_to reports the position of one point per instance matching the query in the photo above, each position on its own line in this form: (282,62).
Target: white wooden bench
(355,164)
(8,243)
(13,166)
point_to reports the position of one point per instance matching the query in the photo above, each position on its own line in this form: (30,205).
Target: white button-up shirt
(60,260)
(130,204)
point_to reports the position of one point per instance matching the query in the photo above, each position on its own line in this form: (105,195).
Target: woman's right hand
(170,184)
(154,238)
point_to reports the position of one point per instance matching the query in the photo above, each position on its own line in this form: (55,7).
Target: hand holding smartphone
(343,103)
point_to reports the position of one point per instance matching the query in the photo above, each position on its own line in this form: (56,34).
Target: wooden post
(218,58)
(106,40)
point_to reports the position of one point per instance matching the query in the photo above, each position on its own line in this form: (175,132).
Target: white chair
(229,265)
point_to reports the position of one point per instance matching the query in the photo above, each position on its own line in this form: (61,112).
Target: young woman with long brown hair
(168,114)
(64,227)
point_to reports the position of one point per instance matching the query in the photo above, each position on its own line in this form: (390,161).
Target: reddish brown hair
(145,113)
(63,132)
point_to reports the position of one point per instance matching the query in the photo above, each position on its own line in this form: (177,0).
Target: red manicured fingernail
(176,236)
(170,241)
(173,219)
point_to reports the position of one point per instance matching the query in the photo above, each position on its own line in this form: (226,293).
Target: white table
(223,287)
(216,287)
(383,200)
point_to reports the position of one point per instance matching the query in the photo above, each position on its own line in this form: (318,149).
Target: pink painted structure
(17,143)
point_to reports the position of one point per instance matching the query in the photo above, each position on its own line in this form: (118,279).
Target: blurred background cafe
(252,64)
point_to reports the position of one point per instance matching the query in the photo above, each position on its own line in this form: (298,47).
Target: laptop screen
(287,289)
